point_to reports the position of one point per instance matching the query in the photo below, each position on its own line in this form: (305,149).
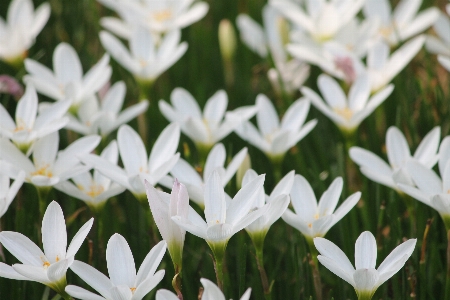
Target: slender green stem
(365,295)
(42,192)
(315,268)
(422,261)
(277,163)
(410,208)
(263,274)
(176,284)
(144,93)
(218,250)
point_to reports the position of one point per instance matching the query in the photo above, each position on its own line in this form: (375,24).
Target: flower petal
(120,261)
(365,251)
(22,248)
(92,277)
(54,234)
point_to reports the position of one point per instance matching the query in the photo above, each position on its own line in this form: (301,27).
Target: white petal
(332,92)
(120,261)
(9,272)
(267,117)
(331,251)
(211,291)
(81,293)
(303,199)
(216,106)
(22,248)
(330,197)
(216,159)
(336,268)
(79,238)
(425,179)
(33,273)
(397,147)
(58,270)
(215,206)
(54,235)
(372,166)
(365,251)
(365,279)
(92,277)
(147,285)
(151,262)
(66,64)
(132,150)
(165,146)
(165,295)
(396,255)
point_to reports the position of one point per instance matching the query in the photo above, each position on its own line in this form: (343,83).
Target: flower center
(43,171)
(46,264)
(345,112)
(95,190)
(163,15)
(133,289)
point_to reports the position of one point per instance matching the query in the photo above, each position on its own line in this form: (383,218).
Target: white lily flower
(66,81)
(441,43)
(165,206)
(346,113)
(382,67)
(137,166)
(7,192)
(223,219)
(322,19)
(207,128)
(402,23)
(158,17)
(18,32)
(195,183)
(29,125)
(48,268)
(314,219)
(431,189)
(363,277)
(123,283)
(146,59)
(210,292)
(104,116)
(398,154)
(273,137)
(94,189)
(277,201)
(49,166)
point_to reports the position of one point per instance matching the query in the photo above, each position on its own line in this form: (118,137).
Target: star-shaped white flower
(398,154)
(363,277)
(123,283)
(48,267)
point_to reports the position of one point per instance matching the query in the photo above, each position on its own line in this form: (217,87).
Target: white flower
(215,161)
(156,16)
(431,189)
(104,116)
(66,81)
(18,32)
(398,154)
(363,277)
(7,193)
(209,127)
(441,43)
(146,59)
(315,219)
(30,126)
(223,219)
(49,166)
(49,268)
(273,137)
(123,283)
(94,189)
(404,22)
(382,67)
(137,166)
(322,19)
(346,113)
(163,207)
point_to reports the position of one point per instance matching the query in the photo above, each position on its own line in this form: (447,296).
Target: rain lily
(210,292)
(94,189)
(431,189)
(123,283)
(49,166)
(273,137)
(209,127)
(66,81)
(314,219)
(137,166)
(7,193)
(364,278)
(402,23)
(146,59)
(104,116)
(48,267)
(158,17)
(163,207)
(398,154)
(28,127)
(18,32)
(346,113)
(195,183)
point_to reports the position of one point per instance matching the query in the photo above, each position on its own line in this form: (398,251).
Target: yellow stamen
(163,15)
(133,289)
(46,264)
(345,112)
(95,190)
(43,171)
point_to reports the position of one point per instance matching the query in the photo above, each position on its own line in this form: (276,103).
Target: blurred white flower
(156,16)
(7,192)
(441,43)
(195,183)
(49,268)
(207,128)
(94,189)
(346,113)
(29,125)
(66,81)
(314,219)
(363,277)
(402,23)
(137,166)
(18,32)
(104,116)
(123,283)
(431,189)
(49,166)
(146,60)
(398,154)
(273,137)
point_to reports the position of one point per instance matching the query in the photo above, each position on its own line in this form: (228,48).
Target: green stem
(144,93)
(176,284)
(315,268)
(447,281)
(262,273)
(42,192)
(218,250)
(277,163)
(409,203)
(365,295)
